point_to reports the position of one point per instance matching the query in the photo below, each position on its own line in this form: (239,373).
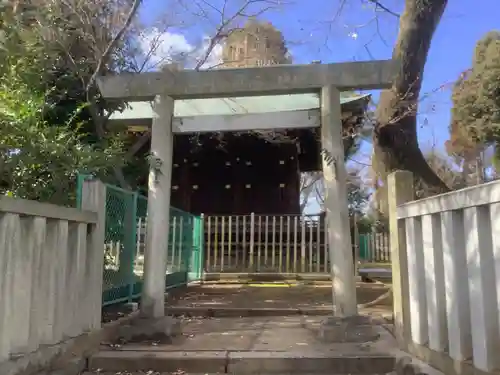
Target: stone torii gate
(163,88)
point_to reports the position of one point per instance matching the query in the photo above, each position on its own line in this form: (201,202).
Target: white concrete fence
(51,263)
(277,243)
(271,243)
(267,243)
(446,274)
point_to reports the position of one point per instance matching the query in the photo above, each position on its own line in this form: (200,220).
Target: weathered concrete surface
(257,345)
(251,346)
(369,270)
(67,355)
(273,299)
(353,329)
(444,362)
(44,313)
(121,361)
(161,329)
(376,273)
(246,277)
(143,373)
(182,373)
(74,367)
(269,80)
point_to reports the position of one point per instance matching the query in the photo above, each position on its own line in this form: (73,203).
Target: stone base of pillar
(159,330)
(131,307)
(355,329)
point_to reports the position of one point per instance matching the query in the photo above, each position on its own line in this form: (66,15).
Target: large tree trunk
(395,136)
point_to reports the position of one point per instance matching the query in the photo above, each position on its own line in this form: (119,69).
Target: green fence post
(123,208)
(363,247)
(197,259)
(193,259)
(80,179)
(130,229)
(79,185)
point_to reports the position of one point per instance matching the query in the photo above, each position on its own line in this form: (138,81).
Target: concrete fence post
(252,241)
(94,199)
(400,190)
(128,252)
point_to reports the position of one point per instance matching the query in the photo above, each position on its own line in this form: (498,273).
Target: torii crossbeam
(327,79)
(257,81)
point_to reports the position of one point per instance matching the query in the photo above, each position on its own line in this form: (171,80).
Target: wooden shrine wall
(240,176)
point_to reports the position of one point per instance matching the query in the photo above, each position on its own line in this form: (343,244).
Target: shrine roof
(137,111)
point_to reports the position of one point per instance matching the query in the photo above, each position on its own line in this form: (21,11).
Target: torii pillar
(158,220)
(164,87)
(337,214)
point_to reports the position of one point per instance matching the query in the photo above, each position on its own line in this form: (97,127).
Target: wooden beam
(240,123)
(234,123)
(255,81)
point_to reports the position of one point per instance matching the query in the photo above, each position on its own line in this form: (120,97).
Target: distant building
(256,44)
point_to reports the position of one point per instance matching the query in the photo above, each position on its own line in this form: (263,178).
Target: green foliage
(47,134)
(40,160)
(365,224)
(476,97)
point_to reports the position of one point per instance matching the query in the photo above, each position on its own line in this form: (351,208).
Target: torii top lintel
(255,81)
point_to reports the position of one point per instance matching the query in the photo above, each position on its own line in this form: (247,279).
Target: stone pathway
(309,299)
(259,328)
(251,345)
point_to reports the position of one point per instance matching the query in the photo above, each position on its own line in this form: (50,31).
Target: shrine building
(239,171)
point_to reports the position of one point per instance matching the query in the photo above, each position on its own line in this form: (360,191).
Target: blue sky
(316,30)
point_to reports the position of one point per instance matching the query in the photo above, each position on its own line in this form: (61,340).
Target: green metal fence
(374,247)
(184,257)
(125,243)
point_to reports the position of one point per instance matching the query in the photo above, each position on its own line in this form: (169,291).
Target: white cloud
(215,57)
(168,47)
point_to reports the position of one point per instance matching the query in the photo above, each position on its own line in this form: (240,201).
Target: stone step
(190,373)
(235,312)
(240,363)
(146,373)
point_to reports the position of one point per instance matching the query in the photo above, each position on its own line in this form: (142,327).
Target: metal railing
(278,243)
(125,242)
(374,247)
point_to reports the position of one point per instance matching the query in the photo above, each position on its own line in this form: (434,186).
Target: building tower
(256,44)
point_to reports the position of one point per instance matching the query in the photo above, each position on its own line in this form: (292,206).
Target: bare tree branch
(378,4)
(114,41)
